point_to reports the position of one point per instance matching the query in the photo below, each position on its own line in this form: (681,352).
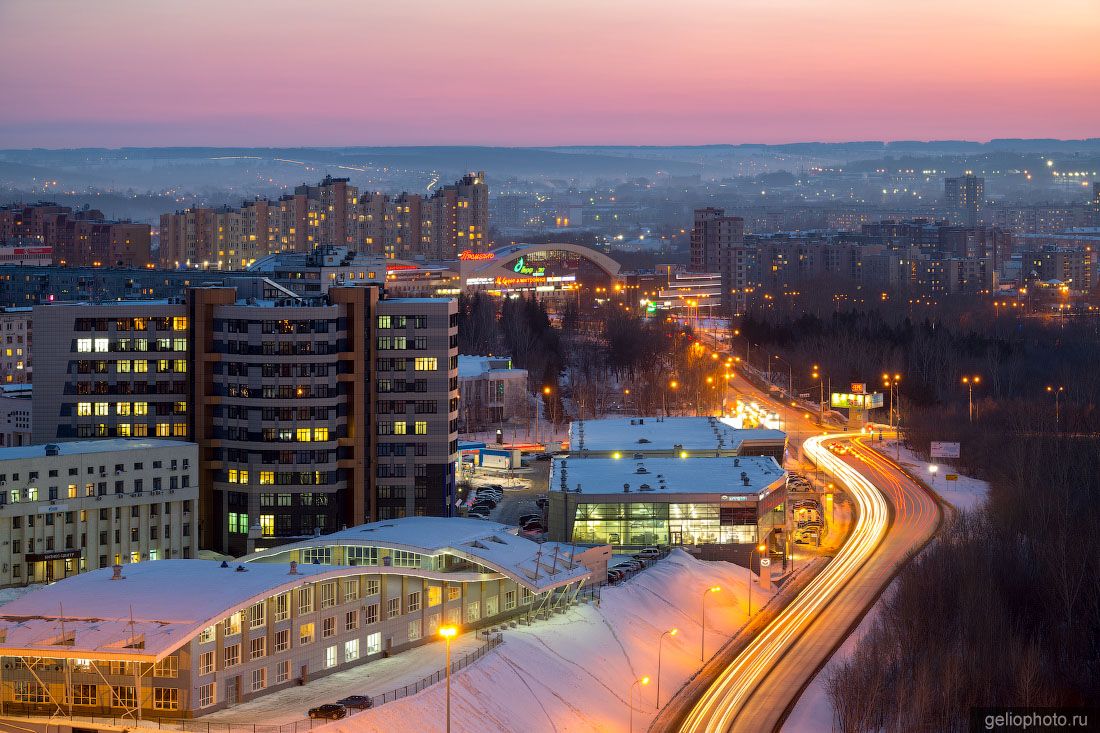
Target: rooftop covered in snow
(538,567)
(653,477)
(649,435)
(150,612)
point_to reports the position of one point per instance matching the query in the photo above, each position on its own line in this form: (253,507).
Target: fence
(492,641)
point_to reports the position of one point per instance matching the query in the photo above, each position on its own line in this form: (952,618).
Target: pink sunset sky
(544,72)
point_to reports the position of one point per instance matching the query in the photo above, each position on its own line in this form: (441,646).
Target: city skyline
(694,73)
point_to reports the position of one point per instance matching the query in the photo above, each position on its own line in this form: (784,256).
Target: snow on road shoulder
(574,671)
(966,493)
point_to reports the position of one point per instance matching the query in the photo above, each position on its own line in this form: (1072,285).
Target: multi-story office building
(78,237)
(964,197)
(70,507)
(316,412)
(213,635)
(333,213)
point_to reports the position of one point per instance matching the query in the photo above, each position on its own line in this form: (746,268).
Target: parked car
(525,518)
(542,502)
(357,702)
(332,711)
(614,576)
(543,456)
(478,511)
(650,552)
(534,527)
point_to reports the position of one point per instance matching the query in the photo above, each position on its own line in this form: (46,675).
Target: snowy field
(966,493)
(574,672)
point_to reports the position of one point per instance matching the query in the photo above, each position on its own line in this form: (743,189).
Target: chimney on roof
(293,568)
(117,573)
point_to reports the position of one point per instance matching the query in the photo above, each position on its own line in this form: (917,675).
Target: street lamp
(759,550)
(891,383)
(970,381)
(643,681)
(932,470)
(660,643)
(790,372)
(703,619)
(538,402)
(448,633)
(1057,392)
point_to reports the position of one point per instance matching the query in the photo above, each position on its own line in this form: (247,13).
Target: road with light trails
(895,517)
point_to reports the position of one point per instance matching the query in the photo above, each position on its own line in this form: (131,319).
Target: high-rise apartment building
(310,413)
(78,238)
(964,197)
(333,213)
(717,245)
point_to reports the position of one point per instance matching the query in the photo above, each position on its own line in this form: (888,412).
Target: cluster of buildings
(182,638)
(452,219)
(46,233)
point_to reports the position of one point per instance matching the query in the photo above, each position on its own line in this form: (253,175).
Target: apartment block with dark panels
(417,406)
(280,395)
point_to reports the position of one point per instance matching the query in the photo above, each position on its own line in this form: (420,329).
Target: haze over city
(721,366)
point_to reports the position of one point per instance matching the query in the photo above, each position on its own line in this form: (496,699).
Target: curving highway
(895,517)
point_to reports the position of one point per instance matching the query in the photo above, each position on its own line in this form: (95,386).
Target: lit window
(83,408)
(421,427)
(100,346)
(84,345)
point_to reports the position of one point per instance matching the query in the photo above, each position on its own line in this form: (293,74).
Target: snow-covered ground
(7,595)
(574,671)
(965,493)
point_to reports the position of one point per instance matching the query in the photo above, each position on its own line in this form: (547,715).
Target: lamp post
(759,550)
(790,373)
(932,470)
(660,643)
(1057,392)
(538,402)
(448,633)
(891,384)
(970,381)
(703,619)
(673,384)
(640,681)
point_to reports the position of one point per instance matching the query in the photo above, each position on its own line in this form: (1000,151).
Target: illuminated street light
(448,633)
(760,550)
(660,642)
(970,381)
(643,681)
(703,619)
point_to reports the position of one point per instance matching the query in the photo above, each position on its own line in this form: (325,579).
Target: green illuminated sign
(523,268)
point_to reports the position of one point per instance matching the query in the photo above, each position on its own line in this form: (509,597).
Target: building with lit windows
(719,507)
(311,414)
(15,346)
(695,482)
(66,508)
(182,638)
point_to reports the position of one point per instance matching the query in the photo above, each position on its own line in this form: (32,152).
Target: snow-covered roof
(163,603)
(649,478)
(495,546)
(475,366)
(80,447)
(663,434)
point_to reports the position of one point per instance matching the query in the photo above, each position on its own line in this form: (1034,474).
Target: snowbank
(966,493)
(574,671)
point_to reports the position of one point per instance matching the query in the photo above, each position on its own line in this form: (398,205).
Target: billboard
(856,400)
(944,450)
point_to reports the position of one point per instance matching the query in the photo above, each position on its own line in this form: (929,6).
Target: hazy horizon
(123,73)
